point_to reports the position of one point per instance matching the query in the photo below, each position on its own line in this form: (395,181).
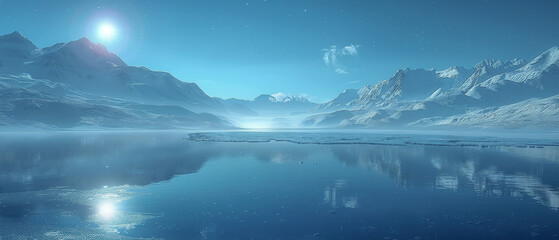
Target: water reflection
(93,160)
(106,210)
(493,182)
(61,213)
(97,177)
(336,197)
(490,171)
(446,182)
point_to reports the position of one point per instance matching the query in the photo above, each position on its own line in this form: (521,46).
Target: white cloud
(330,56)
(350,50)
(341,71)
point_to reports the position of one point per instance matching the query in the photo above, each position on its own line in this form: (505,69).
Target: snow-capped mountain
(487,68)
(278,110)
(15,49)
(40,103)
(281,103)
(91,68)
(80,83)
(493,89)
(71,80)
(538,78)
(533,112)
(407,85)
(343,100)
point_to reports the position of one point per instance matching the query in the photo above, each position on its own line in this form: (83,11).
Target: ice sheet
(375,138)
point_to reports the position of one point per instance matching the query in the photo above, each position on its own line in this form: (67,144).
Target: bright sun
(106,31)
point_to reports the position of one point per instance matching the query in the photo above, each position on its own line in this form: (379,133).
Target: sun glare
(106,31)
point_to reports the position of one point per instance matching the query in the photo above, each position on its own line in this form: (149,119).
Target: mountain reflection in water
(96,160)
(121,183)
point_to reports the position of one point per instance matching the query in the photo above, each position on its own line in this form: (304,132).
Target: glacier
(393,137)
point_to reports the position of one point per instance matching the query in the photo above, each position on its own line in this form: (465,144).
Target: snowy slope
(39,103)
(333,119)
(538,78)
(489,68)
(91,68)
(528,113)
(407,85)
(15,49)
(87,72)
(82,84)
(343,100)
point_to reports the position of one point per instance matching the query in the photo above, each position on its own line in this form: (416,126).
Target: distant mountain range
(494,93)
(81,84)
(269,104)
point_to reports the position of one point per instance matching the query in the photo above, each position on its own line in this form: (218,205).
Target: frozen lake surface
(281,185)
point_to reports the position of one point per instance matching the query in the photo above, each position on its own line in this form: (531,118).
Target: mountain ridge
(489,86)
(82,75)
(88,73)
(71,80)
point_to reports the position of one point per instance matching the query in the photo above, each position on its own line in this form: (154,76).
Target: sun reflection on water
(106,210)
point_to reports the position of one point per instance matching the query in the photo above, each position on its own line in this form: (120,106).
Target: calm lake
(164,185)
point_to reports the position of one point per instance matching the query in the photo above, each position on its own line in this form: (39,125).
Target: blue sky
(319,48)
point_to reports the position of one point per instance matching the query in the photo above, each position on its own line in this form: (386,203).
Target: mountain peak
(88,52)
(499,64)
(492,63)
(280,98)
(451,72)
(84,40)
(86,43)
(16,38)
(552,52)
(544,60)
(16,34)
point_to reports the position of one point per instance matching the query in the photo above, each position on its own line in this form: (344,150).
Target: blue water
(164,185)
